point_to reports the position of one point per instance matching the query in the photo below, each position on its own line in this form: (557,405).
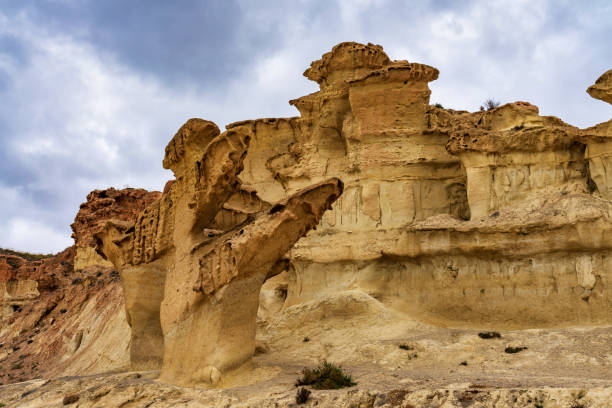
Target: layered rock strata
(65,314)
(496,219)
(457,218)
(193,263)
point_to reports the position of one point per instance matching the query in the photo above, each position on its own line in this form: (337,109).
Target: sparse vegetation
(438,105)
(463,363)
(489,335)
(306,339)
(513,350)
(302,396)
(406,347)
(26,255)
(490,104)
(326,376)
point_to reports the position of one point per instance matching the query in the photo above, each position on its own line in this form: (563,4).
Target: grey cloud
(189,43)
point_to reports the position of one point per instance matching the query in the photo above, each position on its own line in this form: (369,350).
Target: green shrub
(326,376)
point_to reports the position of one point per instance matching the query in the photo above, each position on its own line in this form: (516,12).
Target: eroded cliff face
(65,314)
(436,219)
(449,223)
(101,206)
(192,290)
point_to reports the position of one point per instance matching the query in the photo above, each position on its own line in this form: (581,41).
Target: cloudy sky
(91,91)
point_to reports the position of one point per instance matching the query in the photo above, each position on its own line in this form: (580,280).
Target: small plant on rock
(326,376)
(491,104)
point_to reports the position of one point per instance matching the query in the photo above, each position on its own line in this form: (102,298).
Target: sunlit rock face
(370,219)
(453,217)
(193,263)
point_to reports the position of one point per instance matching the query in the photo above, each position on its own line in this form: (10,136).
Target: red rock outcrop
(59,319)
(103,205)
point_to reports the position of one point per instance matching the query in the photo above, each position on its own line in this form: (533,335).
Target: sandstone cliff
(451,217)
(451,224)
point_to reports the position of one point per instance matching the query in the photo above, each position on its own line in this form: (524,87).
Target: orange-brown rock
(101,206)
(451,223)
(57,319)
(602,88)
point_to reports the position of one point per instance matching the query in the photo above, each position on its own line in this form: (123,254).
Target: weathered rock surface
(602,89)
(101,206)
(190,286)
(56,321)
(410,168)
(560,368)
(60,319)
(450,223)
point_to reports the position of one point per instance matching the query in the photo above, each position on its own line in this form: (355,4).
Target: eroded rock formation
(60,319)
(101,206)
(451,223)
(193,263)
(455,217)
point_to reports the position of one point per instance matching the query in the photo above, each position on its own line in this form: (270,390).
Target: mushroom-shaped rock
(346,61)
(198,256)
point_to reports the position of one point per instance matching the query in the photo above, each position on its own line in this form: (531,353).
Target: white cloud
(34,236)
